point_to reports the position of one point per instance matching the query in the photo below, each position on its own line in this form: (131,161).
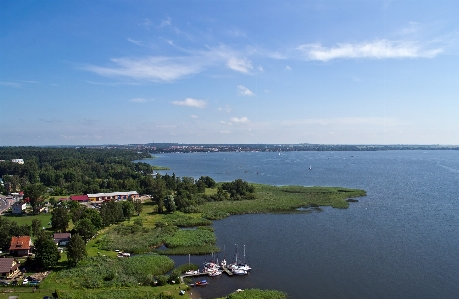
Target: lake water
(400,241)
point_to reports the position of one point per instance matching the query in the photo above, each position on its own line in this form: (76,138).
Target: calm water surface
(400,241)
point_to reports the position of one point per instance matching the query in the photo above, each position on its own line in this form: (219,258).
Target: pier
(227,271)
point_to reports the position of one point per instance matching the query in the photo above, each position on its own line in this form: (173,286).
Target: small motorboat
(201,283)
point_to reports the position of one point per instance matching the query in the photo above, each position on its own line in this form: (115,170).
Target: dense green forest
(66,171)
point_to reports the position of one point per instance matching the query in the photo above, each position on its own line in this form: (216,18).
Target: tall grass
(282,199)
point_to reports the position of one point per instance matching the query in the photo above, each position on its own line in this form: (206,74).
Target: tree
(94,216)
(159,192)
(76,250)
(128,209)
(169,203)
(46,252)
(85,229)
(138,206)
(35,193)
(60,218)
(36,226)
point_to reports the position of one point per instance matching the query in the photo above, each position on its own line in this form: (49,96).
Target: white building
(19,161)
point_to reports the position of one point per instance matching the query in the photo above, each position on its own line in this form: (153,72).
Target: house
(19,161)
(113,196)
(62,239)
(18,207)
(9,268)
(79,198)
(21,246)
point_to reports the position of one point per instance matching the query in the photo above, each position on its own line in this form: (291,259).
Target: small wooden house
(9,268)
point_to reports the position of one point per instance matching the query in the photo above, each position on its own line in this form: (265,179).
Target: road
(4,204)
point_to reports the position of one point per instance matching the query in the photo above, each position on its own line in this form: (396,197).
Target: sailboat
(239,268)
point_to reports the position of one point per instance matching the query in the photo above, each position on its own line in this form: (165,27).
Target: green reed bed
(281,199)
(187,238)
(185,220)
(107,272)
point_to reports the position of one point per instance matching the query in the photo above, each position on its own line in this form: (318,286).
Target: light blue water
(400,241)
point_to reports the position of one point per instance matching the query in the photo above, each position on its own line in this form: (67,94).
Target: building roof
(79,197)
(60,236)
(20,243)
(6,265)
(126,193)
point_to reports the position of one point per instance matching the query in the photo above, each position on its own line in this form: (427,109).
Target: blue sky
(333,72)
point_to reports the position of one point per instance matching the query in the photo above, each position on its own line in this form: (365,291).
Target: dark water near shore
(400,241)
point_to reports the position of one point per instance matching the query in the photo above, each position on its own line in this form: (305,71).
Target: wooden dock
(227,271)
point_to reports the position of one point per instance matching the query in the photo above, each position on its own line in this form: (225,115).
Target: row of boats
(216,269)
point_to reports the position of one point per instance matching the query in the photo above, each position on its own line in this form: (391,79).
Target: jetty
(227,271)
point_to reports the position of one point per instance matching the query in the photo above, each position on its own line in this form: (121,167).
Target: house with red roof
(9,268)
(80,198)
(21,246)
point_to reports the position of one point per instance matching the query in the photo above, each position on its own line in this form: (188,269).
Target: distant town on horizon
(156,148)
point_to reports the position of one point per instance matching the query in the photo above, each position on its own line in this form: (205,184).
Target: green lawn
(21,220)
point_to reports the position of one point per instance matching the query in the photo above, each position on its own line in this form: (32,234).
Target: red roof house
(21,246)
(79,198)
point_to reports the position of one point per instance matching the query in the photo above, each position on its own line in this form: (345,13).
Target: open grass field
(45,218)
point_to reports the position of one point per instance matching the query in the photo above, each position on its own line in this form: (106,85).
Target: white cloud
(148,68)
(288,68)
(166,126)
(167,69)
(241,120)
(138,100)
(242,65)
(379,49)
(244,91)
(225,132)
(191,103)
(194,116)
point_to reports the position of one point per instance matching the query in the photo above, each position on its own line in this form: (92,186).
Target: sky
(279,72)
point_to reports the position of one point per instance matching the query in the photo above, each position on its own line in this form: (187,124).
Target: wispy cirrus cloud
(242,65)
(191,103)
(380,49)
(244,91)
(154,69)
(167,69)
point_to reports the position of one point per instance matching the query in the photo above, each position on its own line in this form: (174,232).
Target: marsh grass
(282,199)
